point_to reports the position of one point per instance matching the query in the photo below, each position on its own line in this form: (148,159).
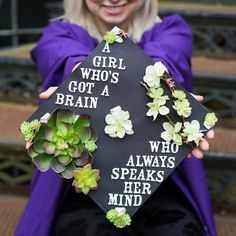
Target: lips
(114,9)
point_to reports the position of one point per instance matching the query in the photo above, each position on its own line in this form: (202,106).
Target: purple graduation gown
(64,44)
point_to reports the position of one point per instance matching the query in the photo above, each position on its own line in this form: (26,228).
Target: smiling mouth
(114,6)
(114,9)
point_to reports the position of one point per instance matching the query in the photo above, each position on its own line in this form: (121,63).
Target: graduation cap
(145,121)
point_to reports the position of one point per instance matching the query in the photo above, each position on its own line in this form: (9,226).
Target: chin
(115,21)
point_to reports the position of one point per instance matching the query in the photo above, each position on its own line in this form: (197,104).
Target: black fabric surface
(166,213)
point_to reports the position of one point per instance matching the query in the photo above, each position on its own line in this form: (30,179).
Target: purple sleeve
(60,47)
(171,42)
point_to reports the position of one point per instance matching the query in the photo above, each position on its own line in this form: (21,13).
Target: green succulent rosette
(85,179)
(109,37)
(28,129)
(118,217)
(210,120)
(63,143)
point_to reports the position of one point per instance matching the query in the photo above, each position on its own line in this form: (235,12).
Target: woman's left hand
(203,145)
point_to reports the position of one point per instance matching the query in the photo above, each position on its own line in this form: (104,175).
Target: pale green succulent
(210,120)
(182,108)
(28,129)
(109,37)
(119,217)
(171,133)
(178,94)
(63,143)
(85,179)
(192,131)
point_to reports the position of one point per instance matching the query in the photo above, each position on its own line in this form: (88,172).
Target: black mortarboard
(133,167)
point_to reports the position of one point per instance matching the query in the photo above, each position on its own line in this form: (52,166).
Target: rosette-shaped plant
(210,120)
(154,74)
(63,143)
(28,129)
(85,179)
(119,217)
(118,123)
(172,133)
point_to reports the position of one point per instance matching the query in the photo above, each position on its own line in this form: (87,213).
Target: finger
(197,153)
(46,94)
(198,97)
(189,155)
(204,145)
(27,145)
(75,66)
(210,134)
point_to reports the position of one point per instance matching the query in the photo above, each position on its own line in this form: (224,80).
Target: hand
(203,145)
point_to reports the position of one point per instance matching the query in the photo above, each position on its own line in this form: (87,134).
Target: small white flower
(192,131)
(155,109)
(120,211)
(156,94)
(172,133)
(178,94)
(118,123)
(117,32)
(153,74)
(44,118)
(182,107)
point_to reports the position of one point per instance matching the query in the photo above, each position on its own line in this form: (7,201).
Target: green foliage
(63,143)
(210,120)
(119,217)
(85,179)
(109,37)
(28,129)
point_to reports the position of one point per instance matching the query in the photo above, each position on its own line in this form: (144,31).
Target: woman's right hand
(44,95)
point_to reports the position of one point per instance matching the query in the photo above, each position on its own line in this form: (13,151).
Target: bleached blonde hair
(76,12)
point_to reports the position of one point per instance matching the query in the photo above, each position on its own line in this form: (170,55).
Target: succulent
(210,120)
(28,129)
(65,142)
(110,37)
(119,217)
(85,179)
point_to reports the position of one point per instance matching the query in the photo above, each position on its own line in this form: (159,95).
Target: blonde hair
(76,12)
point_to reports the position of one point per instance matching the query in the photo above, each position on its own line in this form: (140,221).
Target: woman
(181,205)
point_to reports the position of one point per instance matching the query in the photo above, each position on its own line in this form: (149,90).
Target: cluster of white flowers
(152,78)
(118,123)
(189,131)
(181,104)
